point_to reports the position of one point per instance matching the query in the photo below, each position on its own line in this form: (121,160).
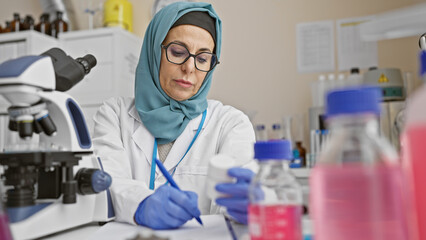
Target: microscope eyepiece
(69,71)
(88,62)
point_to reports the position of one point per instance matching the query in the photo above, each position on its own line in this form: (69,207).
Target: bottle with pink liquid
(5,233)
(275,209)
(413,151)
(356,189)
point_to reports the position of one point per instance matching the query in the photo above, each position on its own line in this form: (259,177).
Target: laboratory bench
(240,232)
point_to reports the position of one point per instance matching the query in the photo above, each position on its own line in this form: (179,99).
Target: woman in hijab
(171,119)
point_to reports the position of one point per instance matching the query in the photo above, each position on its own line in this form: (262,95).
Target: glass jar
(275,208)
(356,185)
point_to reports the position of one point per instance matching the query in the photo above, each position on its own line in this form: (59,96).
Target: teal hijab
(164,117)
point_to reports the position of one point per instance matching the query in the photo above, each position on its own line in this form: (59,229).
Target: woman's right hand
(167,208)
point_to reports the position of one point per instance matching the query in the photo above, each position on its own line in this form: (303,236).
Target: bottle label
(275,222)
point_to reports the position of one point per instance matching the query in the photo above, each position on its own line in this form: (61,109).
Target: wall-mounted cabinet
(117,53)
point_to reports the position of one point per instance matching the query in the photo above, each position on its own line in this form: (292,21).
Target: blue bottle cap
(275,149)
(422,63)
(362,99)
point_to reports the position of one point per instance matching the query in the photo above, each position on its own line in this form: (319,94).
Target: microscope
(51,178)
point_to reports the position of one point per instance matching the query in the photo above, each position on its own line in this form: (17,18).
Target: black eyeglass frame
(190,55)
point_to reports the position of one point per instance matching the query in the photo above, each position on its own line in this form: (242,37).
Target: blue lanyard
(154,153)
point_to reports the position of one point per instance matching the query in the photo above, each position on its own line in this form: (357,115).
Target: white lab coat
(125,147)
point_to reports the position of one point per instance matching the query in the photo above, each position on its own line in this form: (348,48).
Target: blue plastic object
(167,208)
(275,149)
(101,181)
(237,201)
(354,100)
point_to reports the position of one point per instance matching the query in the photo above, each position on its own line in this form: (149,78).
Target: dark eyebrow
(199,50)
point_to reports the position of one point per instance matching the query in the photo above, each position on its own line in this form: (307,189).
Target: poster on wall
(351,50)
(315,47)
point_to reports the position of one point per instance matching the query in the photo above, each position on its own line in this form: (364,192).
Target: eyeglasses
(178,54)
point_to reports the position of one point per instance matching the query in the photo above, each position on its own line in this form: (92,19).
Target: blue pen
(171,181)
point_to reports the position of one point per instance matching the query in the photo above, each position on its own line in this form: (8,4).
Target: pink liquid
(4,228)
(355,203)
(414,158)
(274,222)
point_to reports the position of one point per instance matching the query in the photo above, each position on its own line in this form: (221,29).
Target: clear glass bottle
(277,132)
(260,132)
(356,185)
(275,207)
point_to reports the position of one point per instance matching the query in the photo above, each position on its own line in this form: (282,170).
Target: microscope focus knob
(92,180)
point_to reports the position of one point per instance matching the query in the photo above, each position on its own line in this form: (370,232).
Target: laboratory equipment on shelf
(54,182)
(275,208)
(356,185)
(391,82)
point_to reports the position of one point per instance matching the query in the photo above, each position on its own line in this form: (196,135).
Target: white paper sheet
(214,228)
(315,47)
(351,50)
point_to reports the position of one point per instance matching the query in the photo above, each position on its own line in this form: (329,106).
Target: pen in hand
(172,182)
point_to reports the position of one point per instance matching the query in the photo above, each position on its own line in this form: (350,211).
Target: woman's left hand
(237,201)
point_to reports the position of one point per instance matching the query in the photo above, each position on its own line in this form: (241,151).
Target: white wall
(258,70)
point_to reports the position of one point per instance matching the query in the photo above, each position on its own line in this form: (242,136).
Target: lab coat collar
(145,141)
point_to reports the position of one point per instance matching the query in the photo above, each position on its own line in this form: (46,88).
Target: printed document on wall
(315,47)
(351,50)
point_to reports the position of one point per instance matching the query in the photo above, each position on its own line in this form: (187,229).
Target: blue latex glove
(237,201)
(167,208)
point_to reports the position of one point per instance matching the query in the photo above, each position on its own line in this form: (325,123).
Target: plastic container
(218,173)
(118,13)
(356,185)
(275,207)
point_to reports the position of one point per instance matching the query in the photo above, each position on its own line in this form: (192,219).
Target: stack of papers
(215,227)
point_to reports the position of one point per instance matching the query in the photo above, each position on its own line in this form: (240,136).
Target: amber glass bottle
(59,25)
(44,25)
(302,153)
(28,23)
(7,28)
(16,24)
